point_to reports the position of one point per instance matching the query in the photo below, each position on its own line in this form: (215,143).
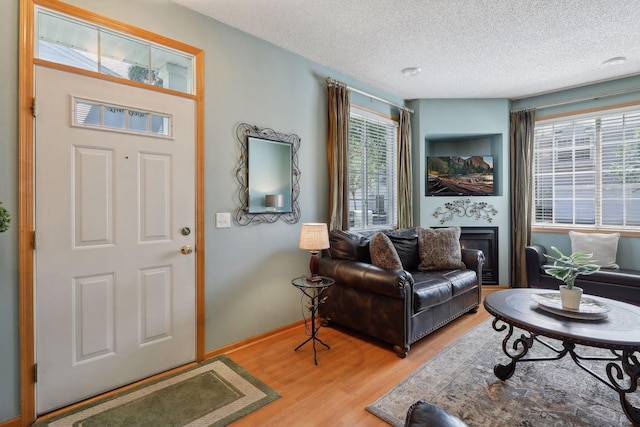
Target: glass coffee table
(615,326)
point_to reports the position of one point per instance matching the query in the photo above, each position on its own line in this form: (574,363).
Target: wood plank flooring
(349,376)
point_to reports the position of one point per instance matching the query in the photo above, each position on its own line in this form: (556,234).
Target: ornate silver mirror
(268,175)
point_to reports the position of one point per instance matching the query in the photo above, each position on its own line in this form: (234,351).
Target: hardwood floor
(350,376)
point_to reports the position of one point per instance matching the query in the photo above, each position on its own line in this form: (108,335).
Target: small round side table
(313,290)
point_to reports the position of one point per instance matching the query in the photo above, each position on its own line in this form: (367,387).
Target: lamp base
(313,268)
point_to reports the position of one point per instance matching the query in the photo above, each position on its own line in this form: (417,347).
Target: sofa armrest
(366,277)
(474,260)
(535,259)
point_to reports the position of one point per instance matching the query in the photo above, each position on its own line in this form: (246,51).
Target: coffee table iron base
(622,363)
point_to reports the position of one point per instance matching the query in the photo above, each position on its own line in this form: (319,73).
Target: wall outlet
(223,220)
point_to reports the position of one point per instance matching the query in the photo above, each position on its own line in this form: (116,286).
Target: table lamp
(314,237)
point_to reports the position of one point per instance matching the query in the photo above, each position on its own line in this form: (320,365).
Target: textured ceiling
(465,48)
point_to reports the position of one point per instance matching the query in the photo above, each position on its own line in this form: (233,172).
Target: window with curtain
(587,171)
(373,141)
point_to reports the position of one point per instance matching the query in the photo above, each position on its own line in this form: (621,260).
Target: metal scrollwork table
(619,333)
(313,290)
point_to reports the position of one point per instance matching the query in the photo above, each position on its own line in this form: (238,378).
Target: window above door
(66,40)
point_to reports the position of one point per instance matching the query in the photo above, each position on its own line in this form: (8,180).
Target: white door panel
(115,297)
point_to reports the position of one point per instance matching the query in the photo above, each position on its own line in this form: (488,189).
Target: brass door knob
(186,249)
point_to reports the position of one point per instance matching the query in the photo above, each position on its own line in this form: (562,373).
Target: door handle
(186,249)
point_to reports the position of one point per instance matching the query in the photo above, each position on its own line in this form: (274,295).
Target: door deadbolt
(185,231)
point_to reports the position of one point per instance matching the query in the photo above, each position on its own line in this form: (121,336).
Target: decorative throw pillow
(383,253)
(439,248)
(406,243)
(603,246)
(349,246)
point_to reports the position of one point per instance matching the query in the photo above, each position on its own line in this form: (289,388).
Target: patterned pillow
(383,253)
(439,249)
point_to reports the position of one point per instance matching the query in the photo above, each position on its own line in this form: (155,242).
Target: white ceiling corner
(465,48)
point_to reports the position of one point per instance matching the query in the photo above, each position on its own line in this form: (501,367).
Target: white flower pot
(570,297)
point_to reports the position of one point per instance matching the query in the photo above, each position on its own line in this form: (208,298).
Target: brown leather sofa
(619,284)
(398,306)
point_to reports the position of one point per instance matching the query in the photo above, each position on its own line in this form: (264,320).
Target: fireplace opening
(485,239)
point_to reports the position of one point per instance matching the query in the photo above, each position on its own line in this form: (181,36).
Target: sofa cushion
(383,253)
(439,248)
(603,246)
(461,280)
(430,289)
(349,246)
(406,243)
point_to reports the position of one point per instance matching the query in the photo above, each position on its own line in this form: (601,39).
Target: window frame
(595,154)
(368,200)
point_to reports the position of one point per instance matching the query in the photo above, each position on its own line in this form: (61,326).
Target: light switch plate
(223,220)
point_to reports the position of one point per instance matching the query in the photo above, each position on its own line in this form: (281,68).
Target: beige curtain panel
(521,180)
(405,175)
(337,157)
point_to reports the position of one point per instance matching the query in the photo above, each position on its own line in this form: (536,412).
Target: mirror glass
(269,175)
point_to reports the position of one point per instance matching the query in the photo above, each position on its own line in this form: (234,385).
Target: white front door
(115,296)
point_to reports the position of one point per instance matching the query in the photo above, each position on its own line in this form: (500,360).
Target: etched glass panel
(114,117)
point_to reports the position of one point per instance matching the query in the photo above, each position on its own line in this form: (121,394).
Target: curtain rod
(575,100)
(361,92)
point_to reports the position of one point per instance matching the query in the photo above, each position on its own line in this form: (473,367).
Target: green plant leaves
(5,219)
(567,267)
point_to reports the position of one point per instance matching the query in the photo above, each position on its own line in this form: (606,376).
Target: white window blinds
(372,170)
(587,171)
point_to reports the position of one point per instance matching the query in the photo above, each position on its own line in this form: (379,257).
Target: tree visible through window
(587,171)
(372,170)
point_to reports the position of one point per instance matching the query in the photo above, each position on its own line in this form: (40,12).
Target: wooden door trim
(26,189)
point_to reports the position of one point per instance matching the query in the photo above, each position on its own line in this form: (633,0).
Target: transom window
(373,190)
(69,41)
(587,171)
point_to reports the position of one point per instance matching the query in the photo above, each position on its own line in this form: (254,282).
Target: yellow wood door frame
(26,171)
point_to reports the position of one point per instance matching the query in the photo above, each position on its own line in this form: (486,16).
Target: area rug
(213,393)
(460,380)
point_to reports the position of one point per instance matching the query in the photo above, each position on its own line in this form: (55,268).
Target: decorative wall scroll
(465,208)
(270,179)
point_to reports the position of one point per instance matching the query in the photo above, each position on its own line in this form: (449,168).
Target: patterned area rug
(213,393)
(545,393)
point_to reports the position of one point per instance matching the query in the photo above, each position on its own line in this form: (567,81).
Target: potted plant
(5,219)
(566,268)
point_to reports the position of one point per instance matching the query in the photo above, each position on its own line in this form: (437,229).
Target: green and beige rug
(213,393)
(550,393)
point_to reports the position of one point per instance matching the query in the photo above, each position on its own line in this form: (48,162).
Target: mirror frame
(243,216)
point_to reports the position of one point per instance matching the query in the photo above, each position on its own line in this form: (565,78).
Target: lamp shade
(274,200)
(314,236)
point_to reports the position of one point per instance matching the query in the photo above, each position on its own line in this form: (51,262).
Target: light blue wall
(628,247)
(451,121)
(248,269)
(9,356)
